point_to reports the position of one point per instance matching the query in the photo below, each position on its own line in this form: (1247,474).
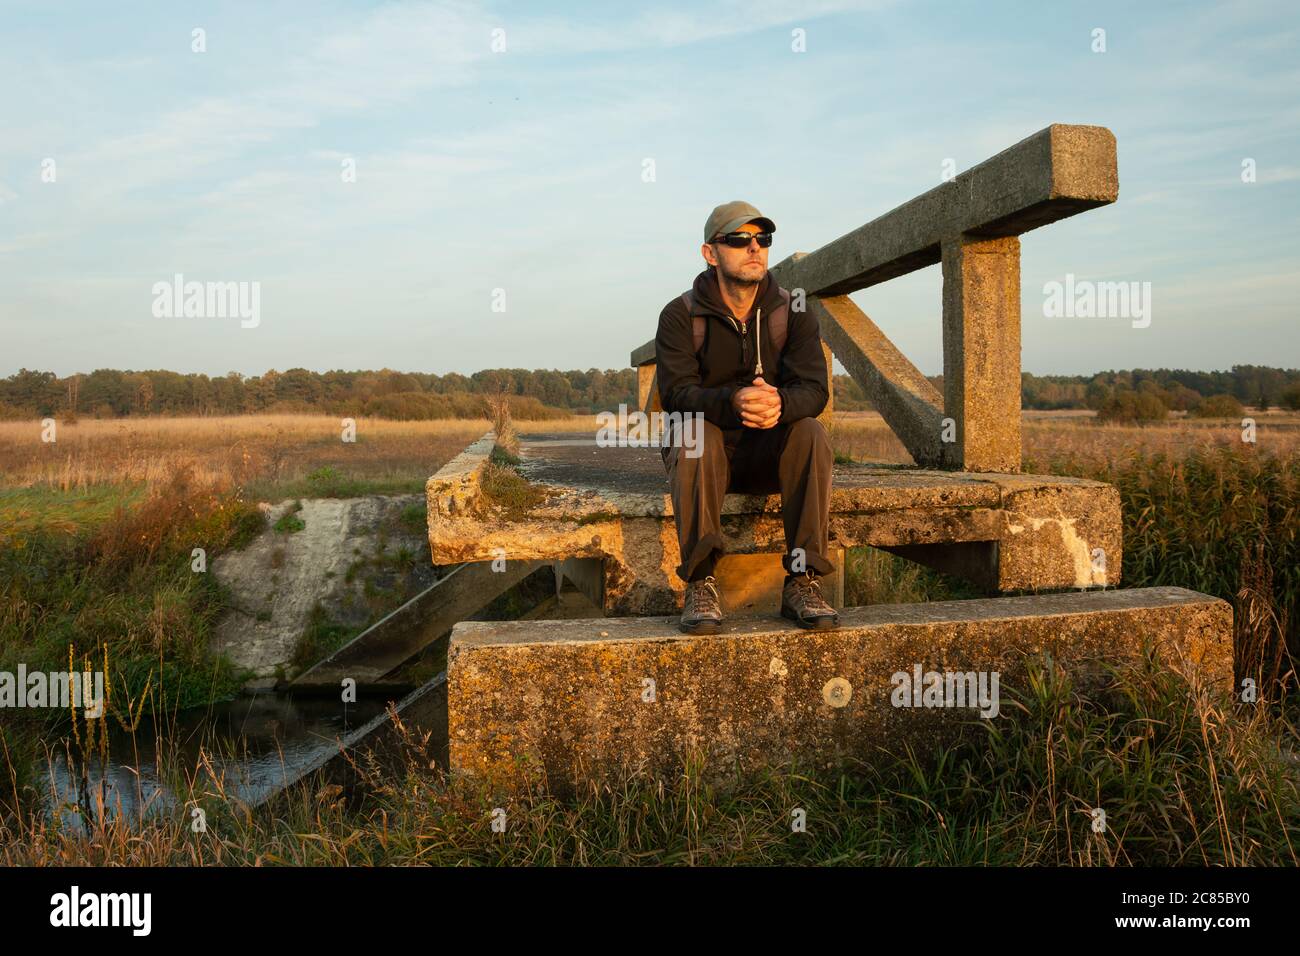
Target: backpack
(777,323)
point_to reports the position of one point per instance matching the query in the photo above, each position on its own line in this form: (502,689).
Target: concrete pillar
(981,352)
(645,385)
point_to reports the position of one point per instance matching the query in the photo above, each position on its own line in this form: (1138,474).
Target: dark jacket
(706,382)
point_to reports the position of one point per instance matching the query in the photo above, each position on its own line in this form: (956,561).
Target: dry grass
(239,451)
(235,451)
(1047,436)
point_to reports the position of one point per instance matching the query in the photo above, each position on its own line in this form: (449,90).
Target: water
(253,745)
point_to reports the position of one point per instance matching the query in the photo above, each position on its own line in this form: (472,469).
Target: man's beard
(735,279)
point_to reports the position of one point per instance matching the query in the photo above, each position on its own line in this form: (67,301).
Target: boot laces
(704,594)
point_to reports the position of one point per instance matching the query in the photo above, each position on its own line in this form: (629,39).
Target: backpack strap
(698,322)
(778,323)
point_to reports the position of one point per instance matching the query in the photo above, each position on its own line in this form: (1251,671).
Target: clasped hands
(759,405)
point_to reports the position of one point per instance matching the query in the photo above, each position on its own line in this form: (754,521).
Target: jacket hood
(708,297)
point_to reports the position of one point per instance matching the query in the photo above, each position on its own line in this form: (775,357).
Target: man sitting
(733,350)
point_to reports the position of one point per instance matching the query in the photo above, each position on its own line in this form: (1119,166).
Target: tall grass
(1221,519)
(1182,779)
(124,591)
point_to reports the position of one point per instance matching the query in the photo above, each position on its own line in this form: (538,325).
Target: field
(273,454)
(95,531)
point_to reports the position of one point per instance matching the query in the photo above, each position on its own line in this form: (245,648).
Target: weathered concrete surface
(981,352)
(909,404)
(278,578)
(613,504)
(530,698)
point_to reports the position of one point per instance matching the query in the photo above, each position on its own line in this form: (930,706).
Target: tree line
(1136,394)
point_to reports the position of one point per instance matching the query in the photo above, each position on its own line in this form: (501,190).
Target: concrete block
(567,700)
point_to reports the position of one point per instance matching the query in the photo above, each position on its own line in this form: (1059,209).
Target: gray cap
(730,216)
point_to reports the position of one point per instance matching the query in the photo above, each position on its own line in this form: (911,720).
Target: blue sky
(522,170)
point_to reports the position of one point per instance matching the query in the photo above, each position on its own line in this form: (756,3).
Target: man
(733,350)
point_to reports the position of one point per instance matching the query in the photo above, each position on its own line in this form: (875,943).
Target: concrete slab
(1033,532)
(566,699)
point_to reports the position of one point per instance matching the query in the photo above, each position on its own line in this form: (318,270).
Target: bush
(1127,405)
(1217,406)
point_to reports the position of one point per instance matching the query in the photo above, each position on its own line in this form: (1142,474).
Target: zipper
(744,340)
(743,327)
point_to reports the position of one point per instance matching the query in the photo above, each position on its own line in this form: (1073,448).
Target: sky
(445,186)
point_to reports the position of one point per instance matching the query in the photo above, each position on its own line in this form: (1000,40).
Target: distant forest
(1140,394)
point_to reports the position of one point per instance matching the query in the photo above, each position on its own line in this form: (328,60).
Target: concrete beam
(1055,173)
(910,405)
(565,701)
(643,354)
(585,574)
(430,615)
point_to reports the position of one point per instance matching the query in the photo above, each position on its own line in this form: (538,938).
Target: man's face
(742,266)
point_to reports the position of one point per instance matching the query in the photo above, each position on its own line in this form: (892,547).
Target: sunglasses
(740,240)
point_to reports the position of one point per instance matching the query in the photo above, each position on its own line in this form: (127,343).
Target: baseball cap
(732,215)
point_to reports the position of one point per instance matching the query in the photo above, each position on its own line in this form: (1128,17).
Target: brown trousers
(793,459)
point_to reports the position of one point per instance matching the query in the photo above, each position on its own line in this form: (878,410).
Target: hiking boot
(701,609)
(802,602)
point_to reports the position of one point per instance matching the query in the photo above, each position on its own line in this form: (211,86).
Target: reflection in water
(245,748)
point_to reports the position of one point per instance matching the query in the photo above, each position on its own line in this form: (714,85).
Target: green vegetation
(41,510)
(872,576)
(320,638)
(329,482)
(122,589)
(507,490)
(415,518)
(400,396)
(289,521)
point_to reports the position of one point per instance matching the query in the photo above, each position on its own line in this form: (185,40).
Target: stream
(254,745)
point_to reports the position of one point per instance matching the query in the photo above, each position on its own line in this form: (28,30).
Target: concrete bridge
(564,698)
